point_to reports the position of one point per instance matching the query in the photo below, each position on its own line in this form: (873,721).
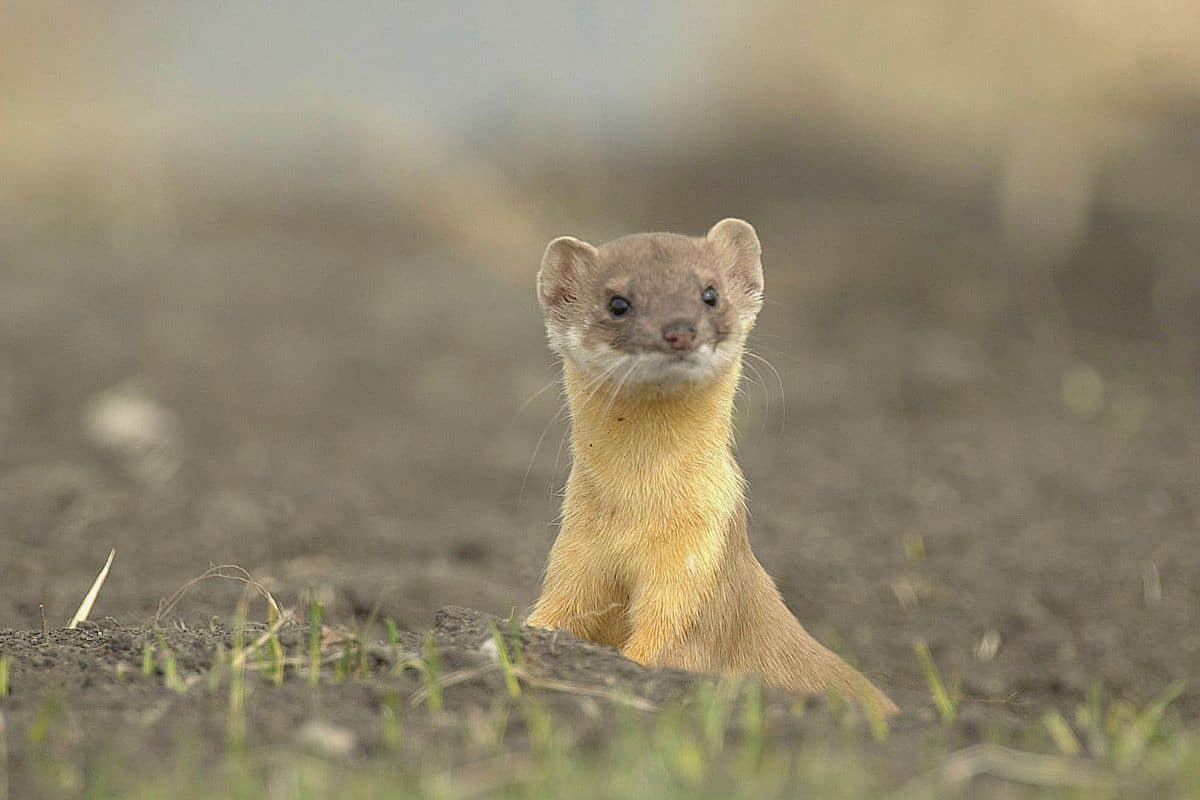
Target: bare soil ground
(359,416)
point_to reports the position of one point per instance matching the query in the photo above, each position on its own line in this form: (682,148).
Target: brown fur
(653,555)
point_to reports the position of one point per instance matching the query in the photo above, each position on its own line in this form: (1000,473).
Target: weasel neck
(648,437)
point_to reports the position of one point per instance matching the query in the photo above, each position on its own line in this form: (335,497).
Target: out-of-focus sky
(586,64)
(1043,114)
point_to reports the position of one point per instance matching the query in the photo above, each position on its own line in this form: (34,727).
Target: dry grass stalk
(89,600)
(228,572)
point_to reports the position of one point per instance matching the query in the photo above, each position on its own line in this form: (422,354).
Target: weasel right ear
(736,239)
(561,275)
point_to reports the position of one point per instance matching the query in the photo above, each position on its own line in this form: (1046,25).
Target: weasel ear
(738,245)
(561,275)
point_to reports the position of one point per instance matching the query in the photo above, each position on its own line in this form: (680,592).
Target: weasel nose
(681,335)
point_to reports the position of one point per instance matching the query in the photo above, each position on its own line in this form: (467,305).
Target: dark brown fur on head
(671,331)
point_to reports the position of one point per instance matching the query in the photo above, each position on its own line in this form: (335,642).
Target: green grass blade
(506,665)
(947,706)
(1064,738)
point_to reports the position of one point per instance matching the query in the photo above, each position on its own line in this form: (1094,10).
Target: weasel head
(653,310)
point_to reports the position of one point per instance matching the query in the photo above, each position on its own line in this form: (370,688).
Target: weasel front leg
(663,610)
(580,602)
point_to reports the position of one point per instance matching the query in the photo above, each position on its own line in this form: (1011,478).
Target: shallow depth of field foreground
(268,329)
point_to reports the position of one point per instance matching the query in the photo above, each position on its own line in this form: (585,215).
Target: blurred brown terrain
(301,335)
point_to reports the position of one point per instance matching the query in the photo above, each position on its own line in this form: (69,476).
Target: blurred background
(266,293)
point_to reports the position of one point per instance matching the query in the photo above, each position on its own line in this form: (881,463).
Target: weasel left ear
(561,274)
(738,244)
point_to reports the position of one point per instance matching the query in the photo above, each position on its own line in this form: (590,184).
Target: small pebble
(327,739)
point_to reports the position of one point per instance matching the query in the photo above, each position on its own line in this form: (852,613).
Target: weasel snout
(680,335)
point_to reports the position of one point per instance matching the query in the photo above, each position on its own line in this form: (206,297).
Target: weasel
(653,555)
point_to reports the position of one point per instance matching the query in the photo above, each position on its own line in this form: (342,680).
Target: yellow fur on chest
(654,486)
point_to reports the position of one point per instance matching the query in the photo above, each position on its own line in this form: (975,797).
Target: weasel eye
(619,306)
(709,296)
